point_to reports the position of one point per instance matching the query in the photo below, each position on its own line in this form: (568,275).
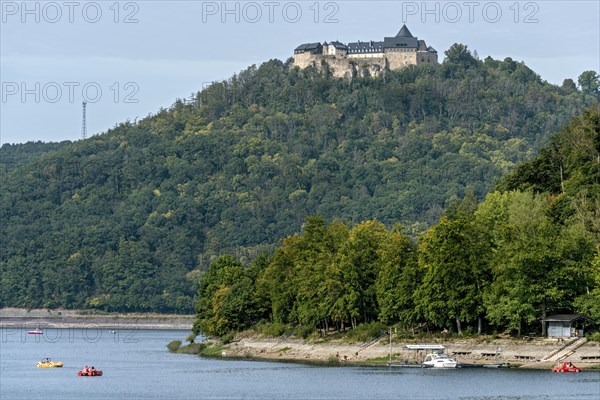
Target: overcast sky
(129,59)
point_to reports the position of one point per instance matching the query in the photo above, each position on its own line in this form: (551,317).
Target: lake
(137,365)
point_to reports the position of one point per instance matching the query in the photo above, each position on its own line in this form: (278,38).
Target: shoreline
(11,318)
(517,353)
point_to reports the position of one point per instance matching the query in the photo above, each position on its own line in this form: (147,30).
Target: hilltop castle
(391,53)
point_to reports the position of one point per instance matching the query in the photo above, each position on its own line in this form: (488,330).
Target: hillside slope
(124,221)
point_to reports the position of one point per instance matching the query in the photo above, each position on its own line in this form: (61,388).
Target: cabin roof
(565,318)
(424,347)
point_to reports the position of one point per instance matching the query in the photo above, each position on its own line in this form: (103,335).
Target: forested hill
(14,155)
(125,220)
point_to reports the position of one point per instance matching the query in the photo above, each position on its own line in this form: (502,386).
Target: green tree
(398,278)
(454,255)
(589,82)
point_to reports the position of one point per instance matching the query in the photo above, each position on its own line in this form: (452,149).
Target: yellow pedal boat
(47,363)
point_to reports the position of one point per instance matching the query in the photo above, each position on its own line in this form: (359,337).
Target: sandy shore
(44,318)
(532,353)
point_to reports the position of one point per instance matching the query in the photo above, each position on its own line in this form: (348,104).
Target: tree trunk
(479,325)
(543,318)
(458,328)
(519,328)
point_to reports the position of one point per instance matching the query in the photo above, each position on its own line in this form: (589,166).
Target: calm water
(137,365)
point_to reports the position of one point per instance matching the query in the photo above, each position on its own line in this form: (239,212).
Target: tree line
(530,249)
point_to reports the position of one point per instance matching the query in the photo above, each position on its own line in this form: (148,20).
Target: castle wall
(425,57)
(304,60)
(341,66)
(347,65)
(400,59)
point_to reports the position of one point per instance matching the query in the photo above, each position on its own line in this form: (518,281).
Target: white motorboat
(438,360)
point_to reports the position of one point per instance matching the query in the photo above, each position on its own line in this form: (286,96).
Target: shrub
(191,337)
(333,359)
(174,346)
(271,329)
(594,337)
(192,348)
(367,332)
(227,338)
(303,331)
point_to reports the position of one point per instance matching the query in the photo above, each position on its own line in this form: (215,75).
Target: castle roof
(339,45)
(365,47)
(314,48)
(308,46)
(403,40)
(404,32)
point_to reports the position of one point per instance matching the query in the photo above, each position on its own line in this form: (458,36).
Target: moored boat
(438,360)
(566,367)
(37,331)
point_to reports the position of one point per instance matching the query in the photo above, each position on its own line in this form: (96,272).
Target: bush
(271,329)
(191,337)
(174,346)
(367,332)
(192,348)
(227,338)
(594,337)
(333,359)
(303,331)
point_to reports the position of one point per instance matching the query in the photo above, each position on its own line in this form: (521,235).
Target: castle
(344,60)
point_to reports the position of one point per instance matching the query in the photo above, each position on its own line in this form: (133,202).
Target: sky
(128,59)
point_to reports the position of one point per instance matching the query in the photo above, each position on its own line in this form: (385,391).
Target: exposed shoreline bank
(532,353)
(66,319)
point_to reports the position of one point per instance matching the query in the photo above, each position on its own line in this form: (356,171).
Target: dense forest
(530,249)
(129,220)
(14,155)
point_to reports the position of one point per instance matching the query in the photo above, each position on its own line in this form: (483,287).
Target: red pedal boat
(566,367)
(89,372)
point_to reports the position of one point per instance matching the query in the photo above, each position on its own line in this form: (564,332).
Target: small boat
(438,360)
(89,372)
(47,363)
(566,367)
(37,331)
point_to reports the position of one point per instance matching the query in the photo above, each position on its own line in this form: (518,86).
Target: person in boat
(86,370)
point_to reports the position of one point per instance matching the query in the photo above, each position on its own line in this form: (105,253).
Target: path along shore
(11,318)
(527,352)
